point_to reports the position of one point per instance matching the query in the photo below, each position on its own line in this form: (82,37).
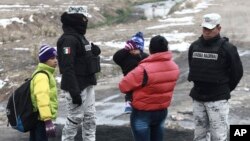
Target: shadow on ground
(104,133)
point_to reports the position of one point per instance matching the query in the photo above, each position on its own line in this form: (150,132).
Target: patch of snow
(2,83)
(244,52)
(171,37)
(111,44)
(31,18)
(183,19)
(157,9)
(58,79)
(14,6)
(199,7)
(246,89)
(21,49)
(109,58)
(106,65)
(109,115)
(168,25)
(96,8)
(43,6)
(5,22)
(183,46)
(6,10)
(176,37)
(187,11)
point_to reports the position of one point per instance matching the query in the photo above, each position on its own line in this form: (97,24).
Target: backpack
(19,108)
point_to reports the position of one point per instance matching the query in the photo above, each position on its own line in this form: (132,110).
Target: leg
(89,120)
(74,118)
(128,97)
(139,121)
(157,125)
(200,120)
(218,115)
(39,133)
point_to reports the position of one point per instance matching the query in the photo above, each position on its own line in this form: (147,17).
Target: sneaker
(128,108)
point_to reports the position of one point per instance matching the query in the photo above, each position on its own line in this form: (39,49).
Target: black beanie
(75,21)
(72,19)
(158,44)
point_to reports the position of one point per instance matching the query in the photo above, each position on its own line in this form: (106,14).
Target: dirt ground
(104,133)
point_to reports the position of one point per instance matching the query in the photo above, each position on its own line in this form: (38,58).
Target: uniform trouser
(211,120)
(84,114)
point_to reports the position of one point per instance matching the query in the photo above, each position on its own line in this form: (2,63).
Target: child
(128,58)
(44,94)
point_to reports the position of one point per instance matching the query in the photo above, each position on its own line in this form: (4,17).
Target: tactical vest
(209,63)
(86,63)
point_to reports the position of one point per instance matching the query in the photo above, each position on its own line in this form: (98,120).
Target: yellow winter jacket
(44,93)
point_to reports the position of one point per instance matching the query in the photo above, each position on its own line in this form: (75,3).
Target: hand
(50,128)
(95,49)
(130,45)
(76,99)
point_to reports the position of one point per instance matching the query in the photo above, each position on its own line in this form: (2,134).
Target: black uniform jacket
(71,49)
(214,67)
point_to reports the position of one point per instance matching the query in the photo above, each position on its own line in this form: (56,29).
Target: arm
(41,93)
(67,61)
(120,55)
(190,54)
(132,81)
(189,58)
(236,68)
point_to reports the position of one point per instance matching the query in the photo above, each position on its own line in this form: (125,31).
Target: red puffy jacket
(162,74)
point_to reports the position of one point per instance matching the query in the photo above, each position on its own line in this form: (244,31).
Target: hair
(158,44)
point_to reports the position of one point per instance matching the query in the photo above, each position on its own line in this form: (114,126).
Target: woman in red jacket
(152,83)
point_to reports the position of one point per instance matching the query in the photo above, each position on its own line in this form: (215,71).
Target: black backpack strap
(41,71)
(145,78)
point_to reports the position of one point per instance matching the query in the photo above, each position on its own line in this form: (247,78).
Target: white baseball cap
(210,21)
(82,9)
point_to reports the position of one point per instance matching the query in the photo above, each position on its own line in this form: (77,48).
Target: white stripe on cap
(43,49)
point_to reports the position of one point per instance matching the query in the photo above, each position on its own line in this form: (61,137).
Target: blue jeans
(39,132)
(148,125)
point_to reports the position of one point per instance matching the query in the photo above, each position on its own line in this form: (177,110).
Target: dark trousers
(148,125)
(39,132)
(128,96)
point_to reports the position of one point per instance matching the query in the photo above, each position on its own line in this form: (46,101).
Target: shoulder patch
(66,50)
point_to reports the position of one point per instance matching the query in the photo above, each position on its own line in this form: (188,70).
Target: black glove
(95,49)
(76,99)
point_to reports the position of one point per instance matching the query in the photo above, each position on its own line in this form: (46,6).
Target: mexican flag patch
(66,50)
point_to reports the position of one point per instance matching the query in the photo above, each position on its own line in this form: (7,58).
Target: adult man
(215,69)
(78,63)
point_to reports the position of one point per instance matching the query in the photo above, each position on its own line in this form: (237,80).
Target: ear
(219,27)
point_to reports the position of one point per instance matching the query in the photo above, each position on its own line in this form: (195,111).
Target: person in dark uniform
(215,69)
(78,62)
